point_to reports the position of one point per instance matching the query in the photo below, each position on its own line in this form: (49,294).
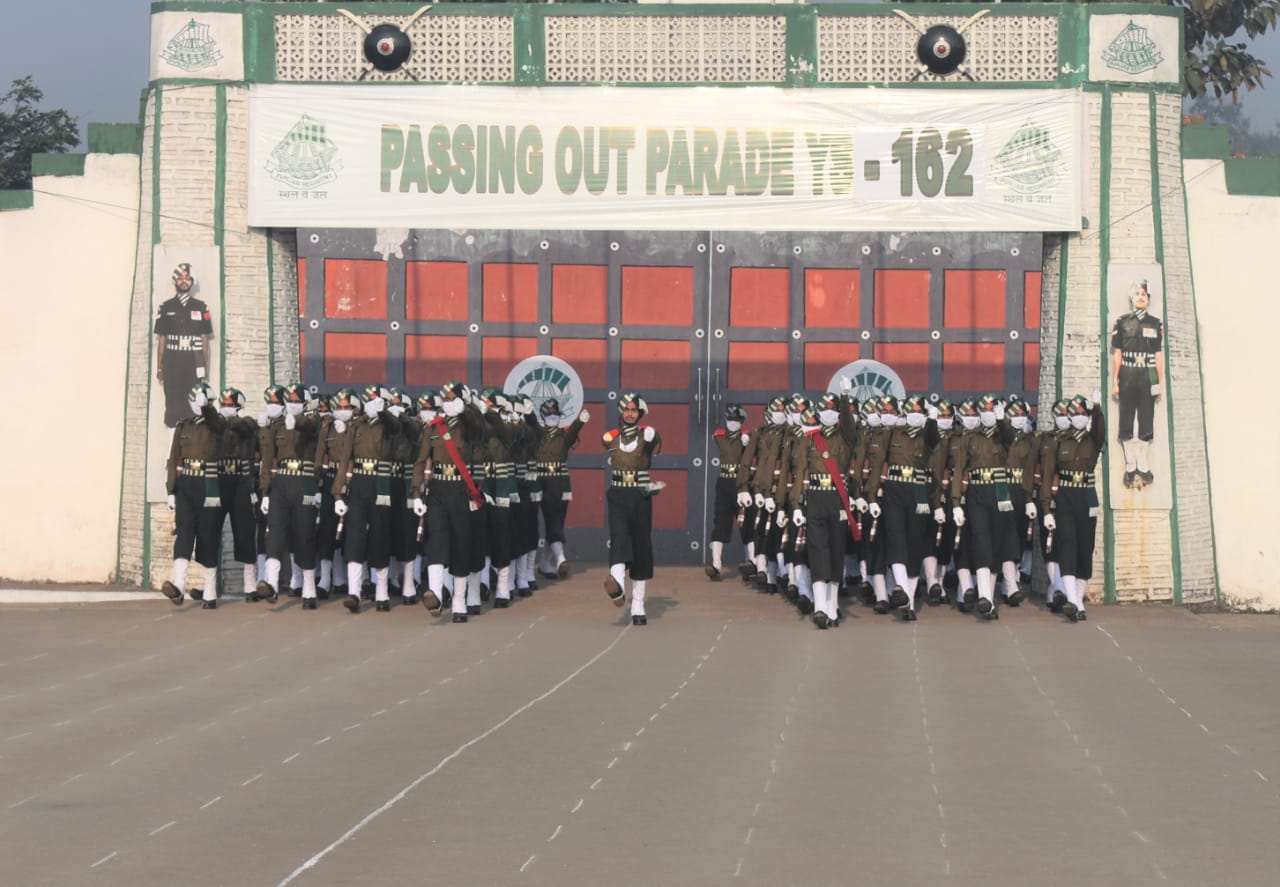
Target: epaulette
(610,435)
(720,432)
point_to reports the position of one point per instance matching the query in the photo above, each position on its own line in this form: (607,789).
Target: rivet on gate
(715,461)
(935,335)
(937,250)
(719,334)
(866,249)
(314,238)
(797,250)
(395,325)
(693,545)
(795,334)
(475,327)
(697,462)
(613,245)
(866,334)
(315,324)
(544,329)
(613,395)
(545,245)
(702,247)
(719,247)
(613,331)
(1015,252)
(699,333)
(469,240)
(1013,334)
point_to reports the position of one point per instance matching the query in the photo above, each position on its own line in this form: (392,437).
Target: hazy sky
(90,58)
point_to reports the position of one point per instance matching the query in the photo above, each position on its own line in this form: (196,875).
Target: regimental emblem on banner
(542,378)
(1133,51)
(870,378)
(1028,163)
(304,158)
(192,48)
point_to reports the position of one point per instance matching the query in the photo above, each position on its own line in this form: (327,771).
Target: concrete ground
(727,742)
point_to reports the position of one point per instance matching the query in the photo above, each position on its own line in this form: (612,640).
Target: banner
(608,158)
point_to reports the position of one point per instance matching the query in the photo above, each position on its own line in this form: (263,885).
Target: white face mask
(372,408)
(294,409)
(793,418)
(777,418)
(873,419)
(452,408)
(733,426)
(1062,423)
(947,423)
(916,420)
(988,419)
(969,422)
(1080,423)
(426,415)
(342,415)
(1020,423)
(829,417)
(396,411)
(552,421)
(228,411)
(889,420)
(275,410)
(195,407)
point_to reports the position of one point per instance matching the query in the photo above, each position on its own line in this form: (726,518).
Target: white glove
(781,519)
(253,499)
(172,502)
(957,514)
(769,505)
(340,508)
(759,500)
(1155,390)
(1049,523)
(744,499)
(860,504)
(419,507)
(488,500)
(480,404)
(932,411)
(339,426)
(999,410)
(874,508)
(265,506)
(315,500)
(746,438)
(939,516)
(1031,511)
(584,417)
(201,399)
(846,386)
(290,421)
(373,407)
(1095,397)
(649,434)
(263,420)
(797,517)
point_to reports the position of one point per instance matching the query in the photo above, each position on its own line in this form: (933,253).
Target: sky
(90,57)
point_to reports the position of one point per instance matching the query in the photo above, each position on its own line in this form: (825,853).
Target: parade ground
(553,743)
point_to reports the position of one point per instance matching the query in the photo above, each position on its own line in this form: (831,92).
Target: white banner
(664,158)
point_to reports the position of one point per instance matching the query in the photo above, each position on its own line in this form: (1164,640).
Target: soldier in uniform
(1024,453)
(404,523)
(881,417)
(1069,498)
(288,483)
(499,487)
(554,444)
(631,448)
(731,442)
(332,442)
(524,510)
(1047,441)
(962,551)
(1137,373)
(980,498)
(758,477)
(236,482)
(937,563)
(182,328)
(194,497)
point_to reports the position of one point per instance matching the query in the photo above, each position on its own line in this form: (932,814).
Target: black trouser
(367,526)
(524,515)
(555,508)
(448,527)
(1023,527)
(179,376)
(826,534)
(631,530)
(1136,401)
(1075,532)
(906,532)
(198,526)
(726,509)
(404,524)
(768,534)
(872,548)
(327,529)
(237,503)
(992,534)
(291,520)
(500,531)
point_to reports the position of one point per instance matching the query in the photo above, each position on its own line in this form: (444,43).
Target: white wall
(64,311)
(1233,254)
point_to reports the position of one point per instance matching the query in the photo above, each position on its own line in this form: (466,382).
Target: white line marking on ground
(19,736)
(640,731)
(1141,837)
(554,834)
(291,757)
(1260,776)
(121,758)
(112,855)
(528,862)
(23,801)
(577,806)
(251,779)
(596,784)
(211,803)
(1230,749)
(323,741)
(171,822)
(35,657)
(611,763)
(348,729)
(738,870)
(750,832)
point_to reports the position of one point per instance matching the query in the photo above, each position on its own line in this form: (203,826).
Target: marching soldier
(554,444)
(288,483)
(799,589)
(524,508)
(1137,372)
(1024,453)
(404,523)
(1055,595)
(731,442)
(937,564)
(631,448)
(881,415)
(980,497)
(970,422)
(194,496)
(332,442)
(758,476)
(236,482)
(1069,498)
(499,488)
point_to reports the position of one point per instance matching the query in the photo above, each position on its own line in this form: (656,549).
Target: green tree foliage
(26,130)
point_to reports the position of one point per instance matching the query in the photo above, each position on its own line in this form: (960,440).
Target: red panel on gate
(902,299)
(1031,304)
(759,297)
(434,360)
(579,294)
(758,365)
(355,289)
(671,506)
(510,293)
(302,287)
(831,297)
(1031,366)
(672,422)
(910,361)
(822,359)
(355,358)
(974,298)
(973,366)
(498,354)
(654,296)
(588,357)
(649,363)
(587,507)
(435,290)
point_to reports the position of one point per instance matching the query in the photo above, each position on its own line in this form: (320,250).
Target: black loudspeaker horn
(941,49)
(387,47)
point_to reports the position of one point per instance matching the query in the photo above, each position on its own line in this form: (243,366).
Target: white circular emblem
(870,378)
(542,378)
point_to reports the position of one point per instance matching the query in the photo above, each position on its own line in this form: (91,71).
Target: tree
(26,130)
(1216,60)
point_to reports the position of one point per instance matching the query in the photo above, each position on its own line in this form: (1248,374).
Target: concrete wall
(1233,242)
(64,311)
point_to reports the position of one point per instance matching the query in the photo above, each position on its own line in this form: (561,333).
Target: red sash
(472,490)
(838,480)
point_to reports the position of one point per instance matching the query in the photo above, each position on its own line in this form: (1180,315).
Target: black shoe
(881,607)
(322,593)
(713,573)
(473,610)
(533,585)
(1147,477)
(950,581)
(1128,479)
(352,603)
(898,598)
(382,607)
(295,592)
(431,602)
(614,590)
(747,570)
(484,593)
(459,618)
(196,595)
(1057,602)
(1070,610)
(935,595)
(1016,598)
(547,574)
(760,578)
(867,593)
(446,598)
(562,570)
(501,603)
(820,619)
(209,605)
(308,603)
(264,592)
(394,590)
(984,606)
(992,615)
(970,595)
(172,592)
(909,614)
(366,591)
(804,605)
(1080,616)
(848,586)
(639,620)
(1024,579)
(524,592)
(963,607)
